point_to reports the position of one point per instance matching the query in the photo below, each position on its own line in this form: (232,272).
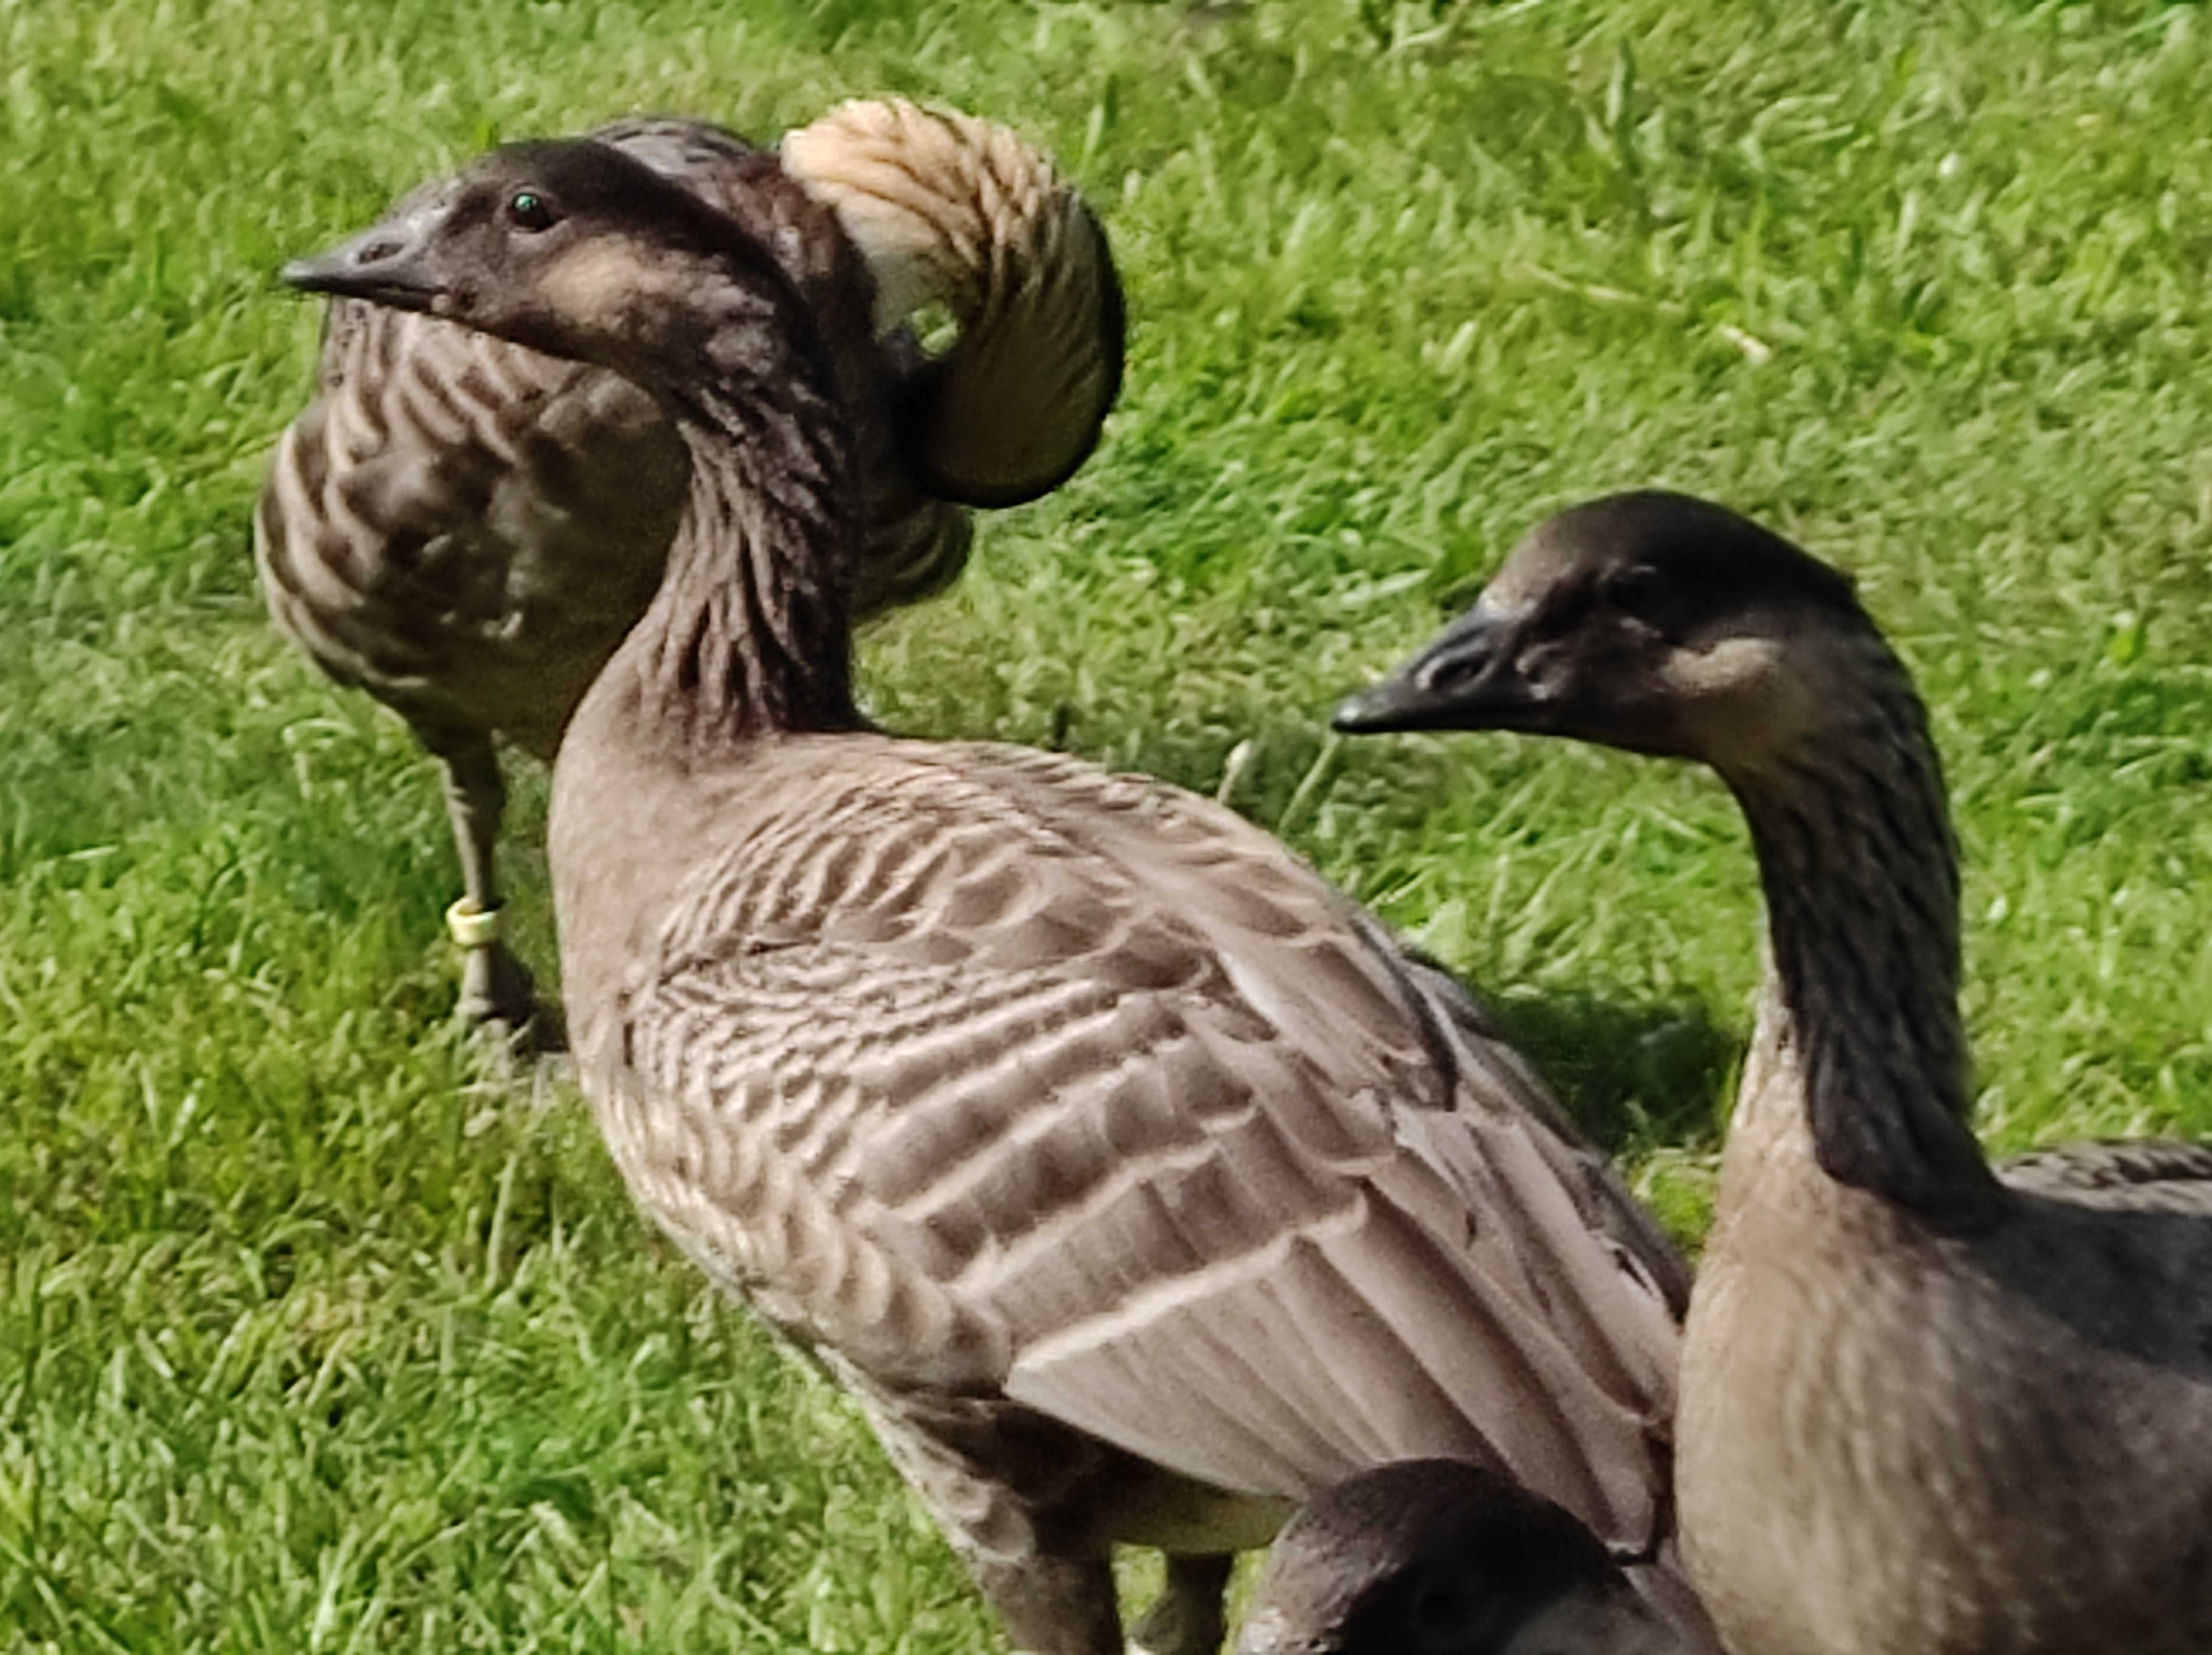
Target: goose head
(1650,621)
(1434,1557)
(574,248)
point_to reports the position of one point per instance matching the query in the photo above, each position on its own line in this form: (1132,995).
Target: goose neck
(1860,1005)
(749,634)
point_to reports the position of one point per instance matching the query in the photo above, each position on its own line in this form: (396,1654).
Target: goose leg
(1187,1617)
(1053,1604)
(1004,1485)
(496,990)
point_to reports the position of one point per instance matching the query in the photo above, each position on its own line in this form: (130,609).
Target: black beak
(390,263)
(1464,679)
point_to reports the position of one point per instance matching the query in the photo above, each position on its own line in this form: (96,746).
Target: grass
(314,1338)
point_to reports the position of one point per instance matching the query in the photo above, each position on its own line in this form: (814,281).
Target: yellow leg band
(473,927)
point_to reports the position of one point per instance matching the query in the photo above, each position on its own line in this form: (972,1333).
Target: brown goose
(1133,1181)
(466,528)
(1436,1557)
(1927,1405)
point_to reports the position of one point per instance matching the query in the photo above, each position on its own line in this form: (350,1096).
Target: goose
(465,528)
(1927,1403)
(1439,1557)
(1130,1177)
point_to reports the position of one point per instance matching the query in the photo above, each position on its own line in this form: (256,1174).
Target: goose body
(465,528)
(1927,1404)
(1079,1100)
(1134,1181)
(1986,1443)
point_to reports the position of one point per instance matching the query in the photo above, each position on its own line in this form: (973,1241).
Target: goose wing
(996,1072)
(2136,1174)
(451,503)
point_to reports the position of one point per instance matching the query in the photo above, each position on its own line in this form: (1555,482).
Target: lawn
(318,1334)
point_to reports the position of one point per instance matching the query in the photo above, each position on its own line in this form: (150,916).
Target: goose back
(991,1069)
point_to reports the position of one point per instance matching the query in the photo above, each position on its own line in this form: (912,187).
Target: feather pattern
(993,1071)
(1013,252)
(2146,1174)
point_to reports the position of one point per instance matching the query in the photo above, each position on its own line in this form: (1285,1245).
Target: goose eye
(1639,593)
(529,210)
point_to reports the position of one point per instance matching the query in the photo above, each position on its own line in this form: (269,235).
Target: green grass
(313,1338)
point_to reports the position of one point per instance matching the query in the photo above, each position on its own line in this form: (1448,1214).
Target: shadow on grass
(1634,1077)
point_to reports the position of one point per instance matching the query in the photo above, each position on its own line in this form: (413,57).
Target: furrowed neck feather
(750,633)
(1860,870)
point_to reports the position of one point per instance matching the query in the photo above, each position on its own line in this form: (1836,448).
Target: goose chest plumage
(1133,1180)
(1927,1404)
(466,528)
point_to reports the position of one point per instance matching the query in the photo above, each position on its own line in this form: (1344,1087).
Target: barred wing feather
(993,1071)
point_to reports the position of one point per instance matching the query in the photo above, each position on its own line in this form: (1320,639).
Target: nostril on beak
(376,252)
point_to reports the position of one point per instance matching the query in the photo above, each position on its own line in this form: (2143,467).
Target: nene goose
(467,529)
(1436,1557)
(1131,1178)
(1926,1405)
